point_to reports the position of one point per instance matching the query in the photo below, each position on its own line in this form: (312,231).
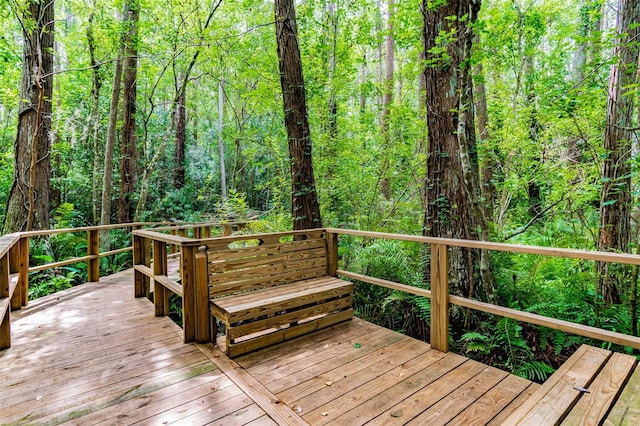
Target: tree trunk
(223,173)
(387,99)
(95,114)
(28,202)
(615,201)
(453,207)
(181,125)
(305,210)
(487,186)
(129,143)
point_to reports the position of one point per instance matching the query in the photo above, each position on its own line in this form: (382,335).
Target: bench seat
(263,317)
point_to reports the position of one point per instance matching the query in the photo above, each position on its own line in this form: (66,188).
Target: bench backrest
(249,262)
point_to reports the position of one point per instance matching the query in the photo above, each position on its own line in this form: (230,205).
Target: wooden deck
(96,355)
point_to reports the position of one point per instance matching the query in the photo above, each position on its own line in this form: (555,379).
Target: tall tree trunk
(95,114)
(487,186)
(129,143)
(28,203)
(305,210)
(181,126)
(107,177)
(534,187)
(453,207)
(615,198)
(223,173)
(387,99)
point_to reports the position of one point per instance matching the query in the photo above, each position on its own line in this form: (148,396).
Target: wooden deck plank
(333,384)
(593,406)
(428,396)
(95,354)
(499,420)
(153,403)
(492,402)
(626,410)
(551,401)
(322,366)
(386,390)
(446,409)
(374,340)
(267,359)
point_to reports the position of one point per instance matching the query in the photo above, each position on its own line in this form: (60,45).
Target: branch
(533,220)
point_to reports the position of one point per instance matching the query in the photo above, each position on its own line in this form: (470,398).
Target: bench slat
(279,320)
(265,249)
(266,271)
(259,283)
(236,349)
(222,266)
(232,313)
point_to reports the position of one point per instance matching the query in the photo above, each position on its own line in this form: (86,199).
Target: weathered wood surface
(94,354)
(356,372)
(273,288)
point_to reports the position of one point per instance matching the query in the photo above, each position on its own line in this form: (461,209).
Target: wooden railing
(15,265)
(153,248)
(440,297)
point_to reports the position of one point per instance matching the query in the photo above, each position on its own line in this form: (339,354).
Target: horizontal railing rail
(440,297)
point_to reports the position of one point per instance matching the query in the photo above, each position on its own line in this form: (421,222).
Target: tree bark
(387,99)
(181,126)
(453,202)
(95,114)
(223,172)
(129,143)
(28,203)
(615,201)
(305,209)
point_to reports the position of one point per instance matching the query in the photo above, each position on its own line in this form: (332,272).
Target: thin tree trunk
(305,210)
(95,96)
(223,173)
(180,142)
(129,143)
(615,198)
(28,203)
(387,99)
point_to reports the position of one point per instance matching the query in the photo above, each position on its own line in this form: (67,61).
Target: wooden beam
(201,302)
(332,253)
(439,297)
(631,259)
(93,251)
(160,296)
(189,318)
(24,270)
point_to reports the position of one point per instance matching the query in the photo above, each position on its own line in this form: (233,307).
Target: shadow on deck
(96,355)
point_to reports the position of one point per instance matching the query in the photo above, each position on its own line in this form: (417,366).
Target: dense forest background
(207,137)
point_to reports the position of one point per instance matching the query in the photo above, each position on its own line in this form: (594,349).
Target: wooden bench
(269,288)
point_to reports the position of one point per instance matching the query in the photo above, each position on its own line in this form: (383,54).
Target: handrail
(440,297)
(11,284)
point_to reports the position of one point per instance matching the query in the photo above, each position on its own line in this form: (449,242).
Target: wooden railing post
(140,257)
(227,229)
(332,253)
(93,249)
(24,270)
(172,247)
(189,319)
(15,268)
(160,267)
(205,323)
(5,320)
(440,297)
